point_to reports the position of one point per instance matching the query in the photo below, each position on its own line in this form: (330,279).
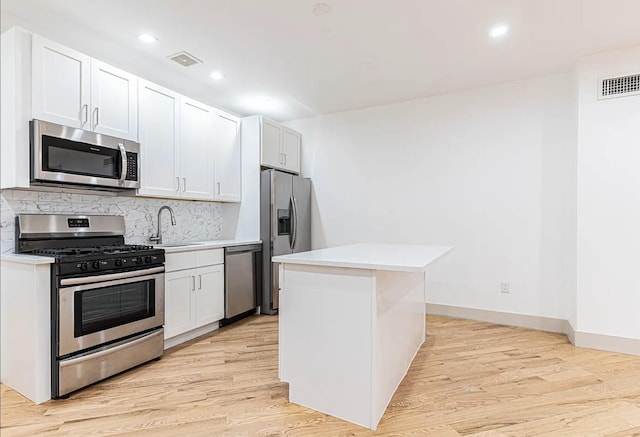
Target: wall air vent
(185,59)
(620,86)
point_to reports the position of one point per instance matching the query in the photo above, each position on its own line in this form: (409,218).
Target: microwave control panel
(132,166)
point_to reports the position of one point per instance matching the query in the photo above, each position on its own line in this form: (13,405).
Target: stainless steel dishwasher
(242,275)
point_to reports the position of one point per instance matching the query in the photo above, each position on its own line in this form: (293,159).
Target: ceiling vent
(185,59)
(621,86)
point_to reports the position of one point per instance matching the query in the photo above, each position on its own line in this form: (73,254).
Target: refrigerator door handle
(292,222)
(294,231)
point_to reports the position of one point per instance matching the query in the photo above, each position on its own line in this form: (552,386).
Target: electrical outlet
(504,287)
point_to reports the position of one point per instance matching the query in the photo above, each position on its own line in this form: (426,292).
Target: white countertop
(27,259)
(203,245)
(199,245)
(397,257)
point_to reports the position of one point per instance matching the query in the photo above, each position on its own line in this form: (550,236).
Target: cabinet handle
(193,283)
(177,184)
(218,186)
(96,117)
(85,115)
(184,184)
(199,282)
(285,159)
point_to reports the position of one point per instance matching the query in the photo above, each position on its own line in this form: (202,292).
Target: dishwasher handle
(243,248)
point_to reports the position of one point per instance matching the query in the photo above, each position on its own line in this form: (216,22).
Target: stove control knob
(95,265)
(118,263)
(147,259)
(137,260)
(84,266)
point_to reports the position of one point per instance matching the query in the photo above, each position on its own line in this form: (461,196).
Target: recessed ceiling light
(145,37)
(216,75)
(321,9)
(498,31)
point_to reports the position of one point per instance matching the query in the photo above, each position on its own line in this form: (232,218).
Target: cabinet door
(159,147)
(114,101)
(179,288)
(291,150)
(209,302)
(196,150)
(227,158)
(271,137)
(60,78)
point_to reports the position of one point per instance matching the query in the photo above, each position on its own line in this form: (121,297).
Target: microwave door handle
(123,158)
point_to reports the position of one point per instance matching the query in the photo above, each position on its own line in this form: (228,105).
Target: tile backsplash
(194,220)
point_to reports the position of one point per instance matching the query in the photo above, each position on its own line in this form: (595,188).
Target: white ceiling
(363,53)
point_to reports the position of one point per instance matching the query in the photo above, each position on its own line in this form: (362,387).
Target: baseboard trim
(190,335)
(538,323)
(571,333)
(609,343)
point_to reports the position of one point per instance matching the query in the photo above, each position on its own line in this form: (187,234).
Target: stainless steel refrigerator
(285,226)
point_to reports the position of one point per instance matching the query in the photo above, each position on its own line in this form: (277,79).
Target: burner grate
(97,250)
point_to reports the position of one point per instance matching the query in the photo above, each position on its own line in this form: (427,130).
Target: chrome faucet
(158,237)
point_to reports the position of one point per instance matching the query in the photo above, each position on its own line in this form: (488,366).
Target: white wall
(608,254)
(490,171)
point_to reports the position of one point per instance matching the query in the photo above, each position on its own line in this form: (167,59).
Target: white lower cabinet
(209,301)
(194,291)
(178,302)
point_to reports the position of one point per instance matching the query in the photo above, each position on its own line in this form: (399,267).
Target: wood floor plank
(468,379)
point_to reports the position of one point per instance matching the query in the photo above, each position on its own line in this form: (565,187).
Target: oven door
(67,155)
(98,309)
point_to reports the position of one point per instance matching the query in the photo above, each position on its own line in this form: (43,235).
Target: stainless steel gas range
(107,298)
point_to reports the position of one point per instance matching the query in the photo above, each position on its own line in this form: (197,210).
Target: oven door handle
(125,345)
(110,277)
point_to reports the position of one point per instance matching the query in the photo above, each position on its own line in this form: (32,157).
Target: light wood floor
(469,378)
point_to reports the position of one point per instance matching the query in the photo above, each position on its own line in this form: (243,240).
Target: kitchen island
(352,319)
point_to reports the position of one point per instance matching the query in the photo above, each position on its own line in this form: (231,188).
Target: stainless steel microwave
(66,155)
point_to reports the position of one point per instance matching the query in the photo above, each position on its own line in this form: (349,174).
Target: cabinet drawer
(193,259)
(179,261)
(209,257)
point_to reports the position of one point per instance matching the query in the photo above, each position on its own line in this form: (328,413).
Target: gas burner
(97,250)
(67,251)
(123,248)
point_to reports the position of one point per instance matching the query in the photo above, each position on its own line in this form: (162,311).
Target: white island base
(351,322)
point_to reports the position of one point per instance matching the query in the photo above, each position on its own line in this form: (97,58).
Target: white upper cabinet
(71,89)
(188,150)
(196,150)
(291,150)
(60,84)
(114,101)
(270,150)
(279,146)
(159,141)
(227,157)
